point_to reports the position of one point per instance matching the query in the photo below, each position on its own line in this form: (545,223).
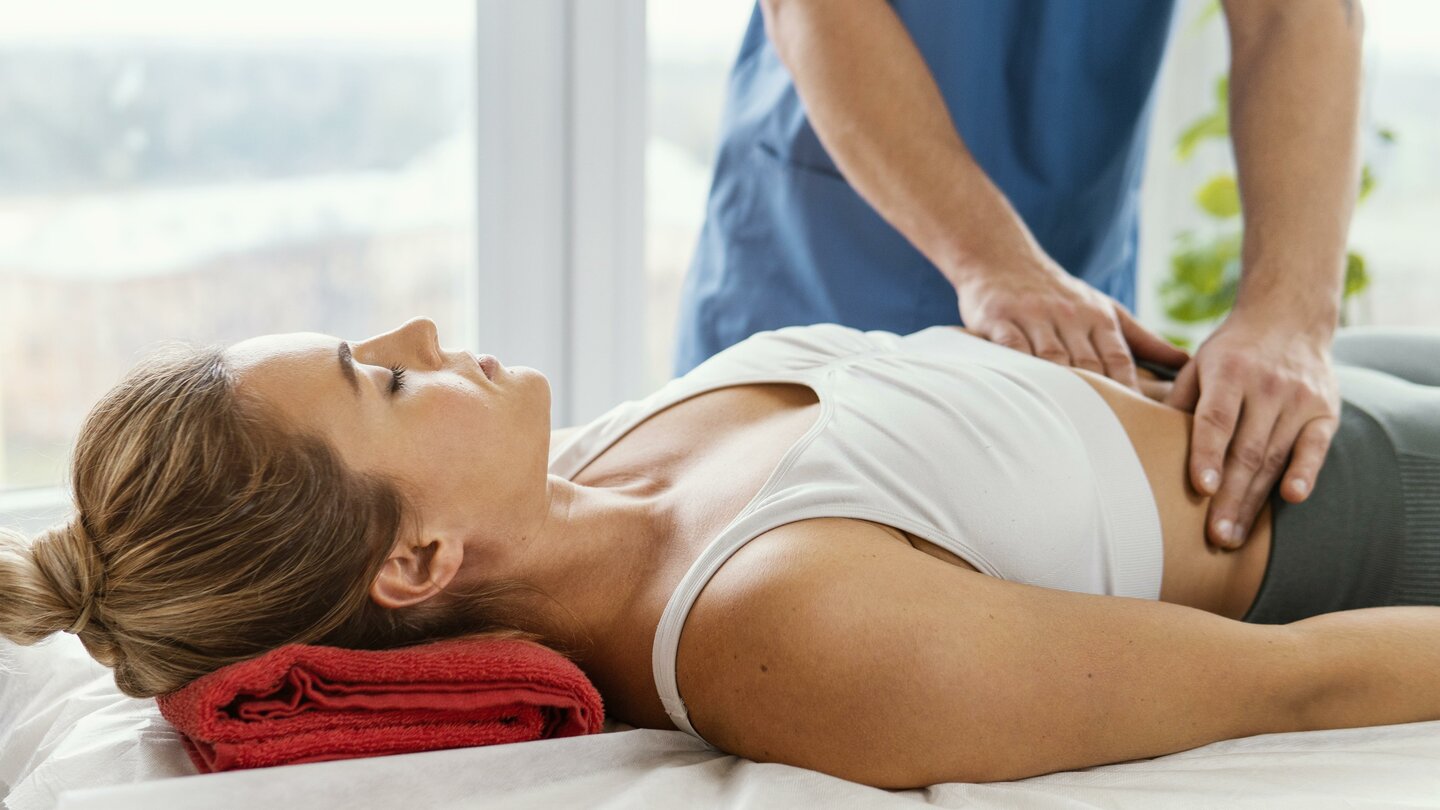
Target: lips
(488,364)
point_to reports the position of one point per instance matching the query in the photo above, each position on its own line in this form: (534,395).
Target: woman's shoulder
(758,639)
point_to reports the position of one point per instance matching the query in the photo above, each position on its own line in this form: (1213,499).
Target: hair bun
(67,557)
(91,581)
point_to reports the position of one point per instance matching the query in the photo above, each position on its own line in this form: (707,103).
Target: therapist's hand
(1033,306)
(1260,388)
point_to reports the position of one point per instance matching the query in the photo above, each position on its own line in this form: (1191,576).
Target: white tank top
(1012,463)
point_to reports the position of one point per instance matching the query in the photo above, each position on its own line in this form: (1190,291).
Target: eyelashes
(397,378)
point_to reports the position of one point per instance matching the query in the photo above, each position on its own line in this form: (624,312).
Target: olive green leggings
(1369,534)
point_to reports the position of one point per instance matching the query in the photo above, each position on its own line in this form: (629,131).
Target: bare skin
(467,441)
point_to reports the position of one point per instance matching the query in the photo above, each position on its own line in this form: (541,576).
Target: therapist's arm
(879,114)
(1262,386)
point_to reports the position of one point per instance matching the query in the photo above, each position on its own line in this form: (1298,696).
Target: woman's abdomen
(1196,573)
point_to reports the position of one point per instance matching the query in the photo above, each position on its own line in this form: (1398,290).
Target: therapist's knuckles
(1250,456)
(1117,361)
(1051,352)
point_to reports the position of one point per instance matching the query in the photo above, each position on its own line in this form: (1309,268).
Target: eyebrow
(347,366)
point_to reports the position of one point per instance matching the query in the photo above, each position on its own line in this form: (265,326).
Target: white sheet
(1395,766)
(68,737)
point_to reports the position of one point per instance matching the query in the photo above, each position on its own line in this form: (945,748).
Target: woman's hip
(1369,534)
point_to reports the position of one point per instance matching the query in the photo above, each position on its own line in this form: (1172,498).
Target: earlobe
(413,572)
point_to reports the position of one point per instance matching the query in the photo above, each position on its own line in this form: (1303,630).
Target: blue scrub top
(1052,98)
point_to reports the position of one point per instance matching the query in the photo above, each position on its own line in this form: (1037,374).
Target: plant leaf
(1214,125)
(1220,197)
(1367,182)
(1203,279)
(1179,340)
(1357,278)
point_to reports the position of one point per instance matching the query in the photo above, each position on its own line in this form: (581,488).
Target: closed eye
(397,378)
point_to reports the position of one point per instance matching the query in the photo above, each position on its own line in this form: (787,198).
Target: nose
(423,332)
(416,340)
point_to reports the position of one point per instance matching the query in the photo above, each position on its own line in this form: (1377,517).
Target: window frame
(561,179)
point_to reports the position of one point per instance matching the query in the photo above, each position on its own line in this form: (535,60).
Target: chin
(541,391)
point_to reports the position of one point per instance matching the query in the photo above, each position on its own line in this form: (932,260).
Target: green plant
(1205,272)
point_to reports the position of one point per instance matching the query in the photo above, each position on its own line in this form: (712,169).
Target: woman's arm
(884,666)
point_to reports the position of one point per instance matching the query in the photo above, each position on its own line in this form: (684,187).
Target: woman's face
(470,450)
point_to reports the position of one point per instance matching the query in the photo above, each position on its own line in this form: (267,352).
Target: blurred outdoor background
(168,172)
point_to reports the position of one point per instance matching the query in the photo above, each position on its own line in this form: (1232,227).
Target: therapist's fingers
(1308,457)
(1257,491)
(1046,342)
(1146,344)
(1078,343)
(1256,451)
(1186,392)
(1216,415)
(1119,364)
(1007,334)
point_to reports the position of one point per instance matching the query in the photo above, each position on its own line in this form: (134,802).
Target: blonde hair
(204,533)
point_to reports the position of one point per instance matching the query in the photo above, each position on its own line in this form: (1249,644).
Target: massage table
(70,739)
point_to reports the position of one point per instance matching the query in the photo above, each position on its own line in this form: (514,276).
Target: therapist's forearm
(880,115)
(1294,99)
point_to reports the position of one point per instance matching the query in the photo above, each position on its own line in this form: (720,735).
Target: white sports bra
(1012,463)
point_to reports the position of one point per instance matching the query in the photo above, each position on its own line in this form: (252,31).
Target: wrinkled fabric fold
(311,703)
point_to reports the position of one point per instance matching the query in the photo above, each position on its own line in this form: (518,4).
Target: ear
(416,571)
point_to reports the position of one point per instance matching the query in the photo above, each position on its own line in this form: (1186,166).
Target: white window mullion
(522,228)
(561,185)
(607,163)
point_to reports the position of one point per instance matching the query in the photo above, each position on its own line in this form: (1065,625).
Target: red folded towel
(308,703)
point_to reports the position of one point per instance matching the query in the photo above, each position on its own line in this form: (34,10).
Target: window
(213,172)
(691,48)
(1394,226)
(1391,228)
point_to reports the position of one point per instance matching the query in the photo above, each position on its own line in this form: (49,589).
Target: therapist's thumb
(1185,393)
(1146,344)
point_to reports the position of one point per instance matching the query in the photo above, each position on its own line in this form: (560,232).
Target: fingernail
(1237,534)
(1299,486)
(1225,529)
(1210,480)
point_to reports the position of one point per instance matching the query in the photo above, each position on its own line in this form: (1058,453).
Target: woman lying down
(897,560)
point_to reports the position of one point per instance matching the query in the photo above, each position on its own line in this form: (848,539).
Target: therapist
(896,165)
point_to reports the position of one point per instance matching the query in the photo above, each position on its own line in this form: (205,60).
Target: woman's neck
(591,555)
